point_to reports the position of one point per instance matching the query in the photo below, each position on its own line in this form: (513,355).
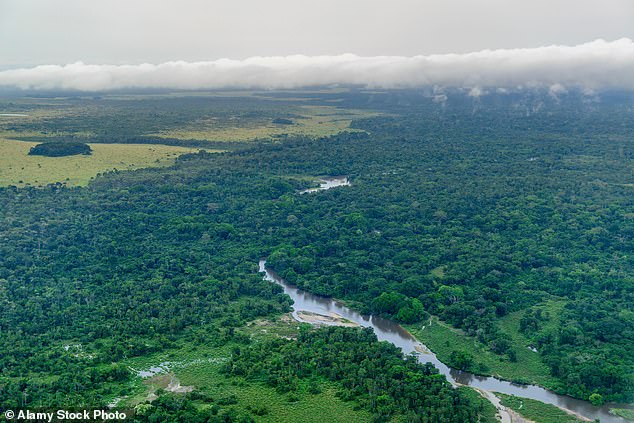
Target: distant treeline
(468,215)
(65,139)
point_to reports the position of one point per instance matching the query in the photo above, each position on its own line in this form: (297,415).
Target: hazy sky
(135,31)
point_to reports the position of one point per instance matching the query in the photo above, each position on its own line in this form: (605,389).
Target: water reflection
(328,183)
(388,330)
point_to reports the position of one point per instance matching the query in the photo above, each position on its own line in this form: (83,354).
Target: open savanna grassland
(443,339)
(19,169)
(200,116)
(30,118)
(311,121)
(198,369)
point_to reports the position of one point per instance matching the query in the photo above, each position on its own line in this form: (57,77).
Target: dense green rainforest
(467,211)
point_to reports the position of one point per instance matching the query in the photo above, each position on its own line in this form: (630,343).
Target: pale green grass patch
(20,169)
(626,413)
(537,411)
(312,121)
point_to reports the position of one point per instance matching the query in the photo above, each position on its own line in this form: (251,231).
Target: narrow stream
(388,330)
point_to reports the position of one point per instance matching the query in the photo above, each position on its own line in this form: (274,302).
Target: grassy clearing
(301,406)
(20,169)
(38,111)
(312,121)
(284,327)
(443,339)
(623,412)
(226,116)
(536,411)
(552,309)
(200,367)
(529,362)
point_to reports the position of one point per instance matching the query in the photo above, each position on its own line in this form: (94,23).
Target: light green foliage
(513,214)
(537,411)
(623,412)
(444,341)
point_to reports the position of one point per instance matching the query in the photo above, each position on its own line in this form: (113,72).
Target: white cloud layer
(595,65)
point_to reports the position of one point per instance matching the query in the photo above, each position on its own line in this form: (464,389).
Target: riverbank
(328,183)
(536,411)
(627,414)
(330,319)
(388,330)
(443,339)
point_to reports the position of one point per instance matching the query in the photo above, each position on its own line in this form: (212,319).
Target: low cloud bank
(594,66)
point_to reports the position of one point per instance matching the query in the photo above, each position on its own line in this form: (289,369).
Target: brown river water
(388,330)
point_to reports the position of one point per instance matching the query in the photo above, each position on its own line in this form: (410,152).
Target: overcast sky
(475,44)
(136,31)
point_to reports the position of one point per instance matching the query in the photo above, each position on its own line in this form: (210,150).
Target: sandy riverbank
(332,319)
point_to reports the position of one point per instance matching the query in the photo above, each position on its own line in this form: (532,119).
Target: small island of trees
(282,121)
(60,149)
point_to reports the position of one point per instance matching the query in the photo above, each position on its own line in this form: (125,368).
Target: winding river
(387,330)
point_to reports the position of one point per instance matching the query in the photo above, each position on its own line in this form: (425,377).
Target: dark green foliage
(513,217)
(176,409)
(60,149)
(461,213)
(282,121)
(370,372)
(120,274)
(461,360)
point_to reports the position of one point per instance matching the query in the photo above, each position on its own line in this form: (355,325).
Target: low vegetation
(217,396)
(209,117)
(505,229)
(310,121)
(19,168)
(626,413)
(373,374)
(463,352)
(537,411)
